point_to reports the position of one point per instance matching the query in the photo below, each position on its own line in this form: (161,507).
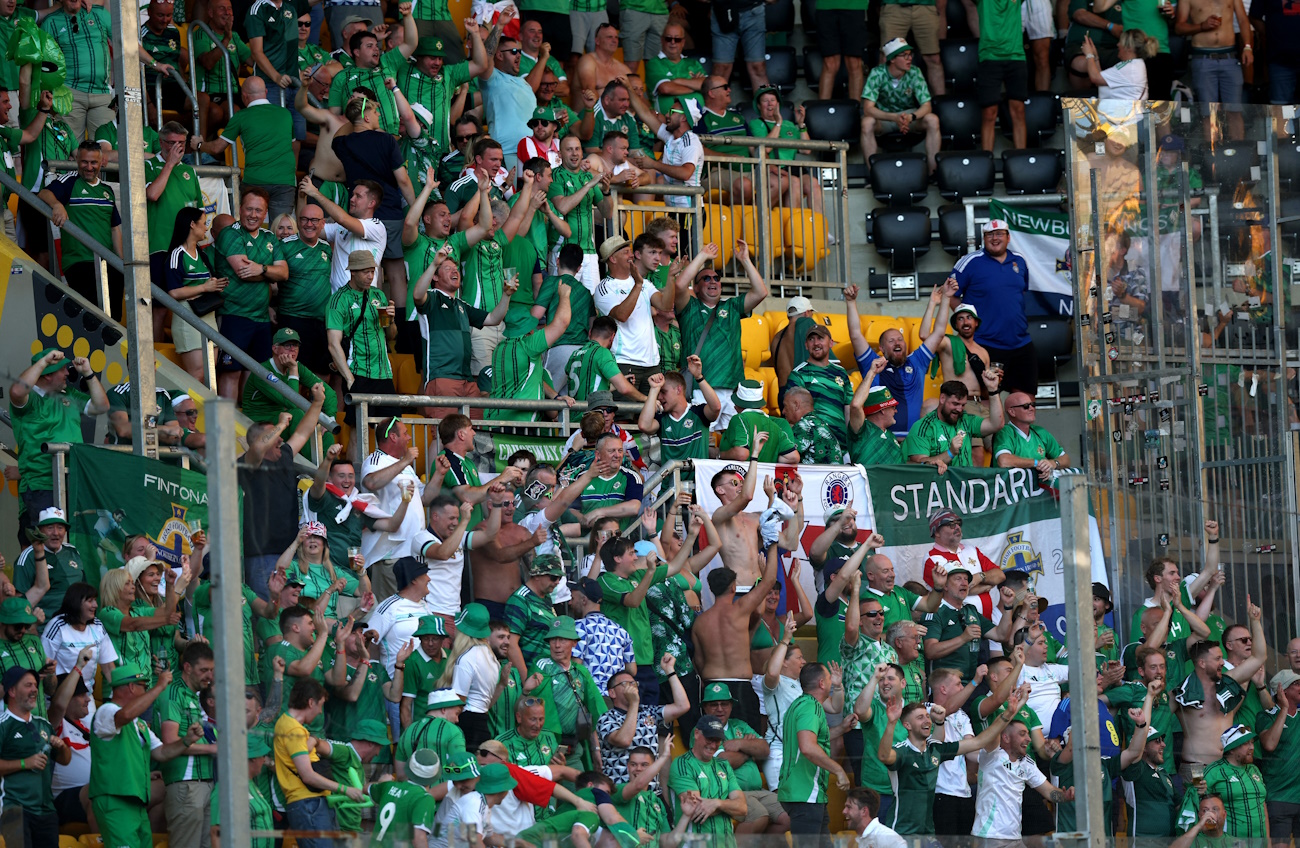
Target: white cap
(693,110)
(895,46)
(995,225)
(799,304)
(137,565)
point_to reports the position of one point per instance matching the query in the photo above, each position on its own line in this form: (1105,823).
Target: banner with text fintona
(1043,238)
(547,451)
(113,495)
(1005,513)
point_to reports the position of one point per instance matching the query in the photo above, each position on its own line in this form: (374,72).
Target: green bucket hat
(127,673)
(423,768)
(431,625)
(495,777)
(542,113)
(53,366)
(460,766)
(258,746)
(16,611)
(716,692)
(371,730)
(546,564)
(1235,737)
(562,627)
(474,621)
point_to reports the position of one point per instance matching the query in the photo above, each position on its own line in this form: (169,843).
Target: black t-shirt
(270,504)
(373,155)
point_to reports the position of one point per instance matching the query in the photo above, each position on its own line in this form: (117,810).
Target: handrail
(162,297)
(201,170)
(474,403)
(784,143)
(680,190)
(157,87)
(230,91)
(164,452)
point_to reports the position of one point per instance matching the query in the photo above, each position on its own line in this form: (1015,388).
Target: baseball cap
(644,547)
(1172,142)
(819,330)
(995,225)
(967,309)
(52,515)
(1280,681)
(716,692)
(1100,590)
(798,303)
(314,528)
(586,586)
(286,335)
(16,610)
(711,727)
(546,564)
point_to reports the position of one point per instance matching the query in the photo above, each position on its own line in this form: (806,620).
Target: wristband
(22,765)
(1213,541)
(949,452)
(400,667)
(1248,47)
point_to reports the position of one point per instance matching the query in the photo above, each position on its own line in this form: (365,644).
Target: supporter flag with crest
(1042,237)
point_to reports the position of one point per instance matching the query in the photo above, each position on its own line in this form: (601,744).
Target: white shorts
(1036,17)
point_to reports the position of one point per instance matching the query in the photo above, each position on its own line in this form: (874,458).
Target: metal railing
(213,337)
(226,62)
(229,175)
(59,451)
(793,213)
(185,88)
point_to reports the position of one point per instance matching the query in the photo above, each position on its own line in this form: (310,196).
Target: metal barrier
(226,63)
(1189,388)
(160,295)
(632,210)
(59,452)
(187,89)
(794,218)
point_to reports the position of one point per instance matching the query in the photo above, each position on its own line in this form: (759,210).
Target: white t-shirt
(104,727)
(63,643)
(344,241)
(1126,80)
(513,815)
(444,574)
(1001,788)
(77,772)
(681,151)
(952,774)
(776,702)
(474,676)
(376,545)
(395,620)
(634,344)
(457,809)
(877,835)
(1044,687)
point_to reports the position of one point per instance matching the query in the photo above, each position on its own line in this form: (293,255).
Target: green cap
(542,113)
(460,766)
(371,730)
(53,366)
(127,673)
(495,777)
(546,564)
(16,610)
(258,746)
(431,625)
(562,627)
(474,621)
(430,47)
(423,768)
(716,692)
(285,335)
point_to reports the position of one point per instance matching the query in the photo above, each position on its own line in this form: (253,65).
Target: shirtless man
(1207,702)
(721,635)
(958,353)
(738,529)
(1216,74)
(599,68)
(612,159)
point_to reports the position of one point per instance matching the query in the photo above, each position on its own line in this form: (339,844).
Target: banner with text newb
(112,496)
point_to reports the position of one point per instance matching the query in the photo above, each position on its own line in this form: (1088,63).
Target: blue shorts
(750,34)
(252,337)
(1217,79)
(299,122)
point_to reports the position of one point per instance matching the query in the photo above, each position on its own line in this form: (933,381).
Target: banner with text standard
(1006,515)
(112,496)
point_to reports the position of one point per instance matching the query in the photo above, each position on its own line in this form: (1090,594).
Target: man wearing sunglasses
(670,76)
(1024,444)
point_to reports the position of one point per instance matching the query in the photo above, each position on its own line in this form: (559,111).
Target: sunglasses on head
(392,422)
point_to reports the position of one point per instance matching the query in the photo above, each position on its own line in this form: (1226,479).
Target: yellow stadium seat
(838,324)
(92,840)
(771,390)
(159,839)
(805,235)
(73,829)
(753,341)
(913,334)
(66,841)
(405,376)
(776,319)
(844,353)
(168,352)
(722,227)
(635,220)
(879,325)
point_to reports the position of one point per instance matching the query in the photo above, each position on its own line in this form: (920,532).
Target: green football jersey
(831,391)
(401,808)
(724,367)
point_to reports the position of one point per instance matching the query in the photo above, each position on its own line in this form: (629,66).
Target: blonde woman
(473,671)
(284,226)
(308,559)
(130,625)
(1126,80)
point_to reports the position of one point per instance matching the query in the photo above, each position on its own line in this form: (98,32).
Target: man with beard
(903,373)
(950,552)
(961,357)
(1277,738)
(1005,771)
(994,280)
(1024,444)
(1207,701)
(872,413)
(946,436)
(1208,829)
(1149,790)
(827,381)
(683,157)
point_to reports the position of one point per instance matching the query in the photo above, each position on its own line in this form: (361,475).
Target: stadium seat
(1230,165)
(1054,346)
(834,120)
(881,323)
(754,342)
(958,26)
(1288,163)
(780,16)
(92,840)
(837,323)
(804,233)
(952,229)
(781,70)
(1042,115)
(74,829)
(959,121)
(722,228)
(66,841)
(965,174)
(406,378)
(812,71)
(843,354)
(1032,171)
(159,839)
(899,179)
(960,58)
(771,394)
(900,235)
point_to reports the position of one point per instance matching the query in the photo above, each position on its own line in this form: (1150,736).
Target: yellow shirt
(291,740)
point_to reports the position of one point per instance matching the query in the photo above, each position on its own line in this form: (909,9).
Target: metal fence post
(1085,735)
(227,582)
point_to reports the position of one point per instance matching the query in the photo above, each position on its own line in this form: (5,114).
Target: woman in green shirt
(130,627)
(307,558)
(188,278)
(770,123)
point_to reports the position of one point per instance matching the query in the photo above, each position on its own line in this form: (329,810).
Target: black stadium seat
(1288,162)
(781,71)
(1042,116)
(1053,346)
(834,120)
(959,121)
(899,179)
(960,57)
(965,173)
(958,26)
(900,235)
(1229,165)
(1032,171)
(952,229)
(780,16)
(812,72)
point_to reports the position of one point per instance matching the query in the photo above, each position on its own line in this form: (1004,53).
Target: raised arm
(332,209)
(1259,648)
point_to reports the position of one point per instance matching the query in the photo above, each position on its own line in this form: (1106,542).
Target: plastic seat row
(901,179)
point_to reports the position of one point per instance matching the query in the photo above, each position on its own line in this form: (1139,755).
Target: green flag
(112,496)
